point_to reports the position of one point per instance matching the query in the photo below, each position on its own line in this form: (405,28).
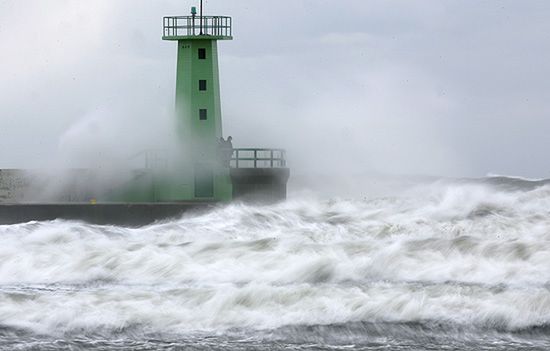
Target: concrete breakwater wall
(64,186)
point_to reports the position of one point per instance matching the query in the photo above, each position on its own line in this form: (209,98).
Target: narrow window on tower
(202,84)
(202,114)
(202,54)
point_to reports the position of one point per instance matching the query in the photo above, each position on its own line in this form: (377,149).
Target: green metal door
(204,181)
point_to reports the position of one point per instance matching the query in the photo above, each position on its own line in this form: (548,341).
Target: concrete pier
(126,214)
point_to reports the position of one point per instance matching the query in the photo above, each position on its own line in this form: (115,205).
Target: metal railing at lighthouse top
(258,158)
(216,27)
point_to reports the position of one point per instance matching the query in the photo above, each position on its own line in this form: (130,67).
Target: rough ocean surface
(455,265)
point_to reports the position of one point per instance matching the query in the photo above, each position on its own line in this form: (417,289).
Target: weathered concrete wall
(114,214)
(13,185)
(76,185)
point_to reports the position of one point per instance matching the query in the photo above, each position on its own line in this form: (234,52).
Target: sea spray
(459,255)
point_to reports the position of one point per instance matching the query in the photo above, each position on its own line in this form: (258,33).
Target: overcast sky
(457,88)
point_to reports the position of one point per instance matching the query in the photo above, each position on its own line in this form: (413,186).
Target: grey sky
(433,87)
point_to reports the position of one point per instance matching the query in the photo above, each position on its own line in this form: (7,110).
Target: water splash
(462,255)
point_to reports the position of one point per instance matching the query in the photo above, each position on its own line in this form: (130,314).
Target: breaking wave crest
(457,255)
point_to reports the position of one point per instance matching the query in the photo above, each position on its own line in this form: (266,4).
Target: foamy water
(462,257)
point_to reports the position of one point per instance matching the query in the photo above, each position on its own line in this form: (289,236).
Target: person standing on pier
(226,150)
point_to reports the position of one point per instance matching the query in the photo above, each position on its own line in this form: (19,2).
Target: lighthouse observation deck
(258,158)
(197,27)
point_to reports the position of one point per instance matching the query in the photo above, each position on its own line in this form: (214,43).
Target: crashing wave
(462,254)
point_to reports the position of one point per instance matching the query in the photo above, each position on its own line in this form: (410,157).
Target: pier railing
(191,26)
(241,158)
(258,158)
(150,159)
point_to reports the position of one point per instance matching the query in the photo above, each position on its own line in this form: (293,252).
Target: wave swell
(455,254)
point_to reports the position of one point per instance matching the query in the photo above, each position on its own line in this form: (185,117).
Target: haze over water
(460,265)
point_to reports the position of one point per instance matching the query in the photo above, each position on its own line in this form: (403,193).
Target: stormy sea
(445,265)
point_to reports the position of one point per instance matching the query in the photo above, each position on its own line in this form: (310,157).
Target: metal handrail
(152,158)
(276,158)
(189,26)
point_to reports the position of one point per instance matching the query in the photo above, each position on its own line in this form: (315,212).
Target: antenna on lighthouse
(201,18)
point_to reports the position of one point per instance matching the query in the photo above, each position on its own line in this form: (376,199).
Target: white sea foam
(495,175)
(457,253)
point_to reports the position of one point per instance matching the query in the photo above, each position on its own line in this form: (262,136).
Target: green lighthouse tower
(200,175)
